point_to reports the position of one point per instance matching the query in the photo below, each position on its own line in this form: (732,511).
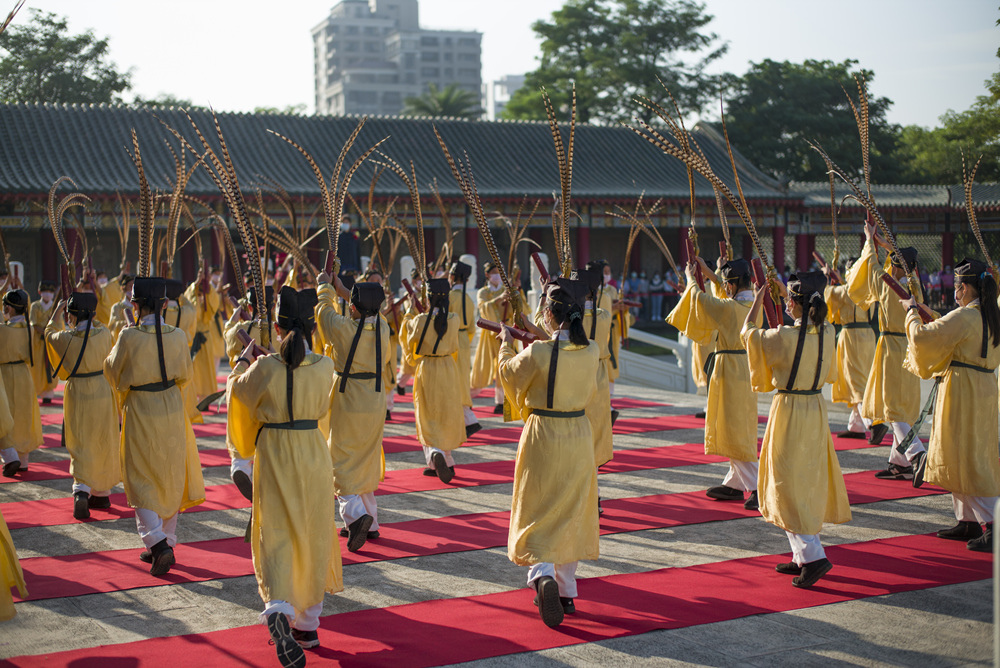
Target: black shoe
(724,493)
(244,484)
(985,542)
(790,568)
(919,465)
(471,429)
(851,434)
(11,467)
(614,416)
(812,572)
(569,607)
(81,506)
(600,510)
(751,502)
(962,531)
(878,432)
(549,606)
(444,472)
(146,556)
(163,558)
(374,535)
(99,502)
(357,532)
(430,473)
(306,639)
(46,401)
(290,653)
(700,414)
(401,390)
(498,409)
(896,472)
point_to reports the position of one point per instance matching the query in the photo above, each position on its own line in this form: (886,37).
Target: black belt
(423,355)
(153,387)
(91,374)
(557,414)
(858,325)
(963,365)
(362,375)
(15,362)
(297,425)
(731,352)
(892,334)
(801,393)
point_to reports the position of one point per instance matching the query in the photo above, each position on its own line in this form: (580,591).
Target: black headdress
(462,272)
(45,285)
(19,301)
(367,298)
(174,290)
(805,288)
(296,311)
(150,292)
(268,302)
(571,294)
(437,290)
(975,272)
(82,306)
(592,279)
(909,255)
(736,271)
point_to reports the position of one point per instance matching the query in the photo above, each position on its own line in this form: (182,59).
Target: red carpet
(479,627)
(54,470)
(229,557)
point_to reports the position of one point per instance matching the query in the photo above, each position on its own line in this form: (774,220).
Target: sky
(928,56)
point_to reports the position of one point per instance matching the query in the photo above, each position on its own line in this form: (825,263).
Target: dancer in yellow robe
(278,402)
(40,314)
(491,300)
(801,485)
(90,429)
(892,395)
(359,343)
(148,367)
(180,314)
(118,320)
(855,353)
(962,351)
(109,293)
(206,308)
(553,520)
(406,363)
(432,339)
(16,358)
(597,326)
(731,413)
(461,304)
(10,574)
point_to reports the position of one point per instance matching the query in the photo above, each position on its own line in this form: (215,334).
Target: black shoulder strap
(83,348)
(350,354)
(423,333)
(551,388)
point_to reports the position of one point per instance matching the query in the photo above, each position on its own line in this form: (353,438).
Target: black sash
(14,362)
(90,374)
(884,333)
(557,414)
(974,367)
(856,325)
(709,367)
(158,386)
(363,375)
(801,393)
(296,425)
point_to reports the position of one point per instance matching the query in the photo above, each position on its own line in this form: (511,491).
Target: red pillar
(50,256)
(778,237)
(748,251)
(682,235)
(948,250)
(801,252)
(582,246)
(430,250)
(189,264)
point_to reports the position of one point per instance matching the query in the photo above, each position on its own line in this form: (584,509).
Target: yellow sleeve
(245,391)
(835,297)
(516,371)
(760,373)
(932,346)
(863,278)
(681,313)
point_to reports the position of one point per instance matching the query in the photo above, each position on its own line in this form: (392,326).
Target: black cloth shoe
(878,432)
(146,556)
(46,401)
(401,390)
(471,429)
(357,532)
(444,472)
(851,434)
(812,572)
(290,653)
(498,409)
(11,467)
(81,505)
(614,416)
(962,531)
(374,535)
(919,465)
(163,558)
(99,502)
(549,606)
(700,414)
(724,493)
(430,473)
(896,472)
(388,415)
(569,607)
(790,568)
(985,542)
(600,510)
(751,503)
(244,484)
(306,639)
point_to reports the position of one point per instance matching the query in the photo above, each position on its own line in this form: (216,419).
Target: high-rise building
(496,94)
(370,55)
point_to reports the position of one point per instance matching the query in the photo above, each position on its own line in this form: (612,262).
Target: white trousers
(899,432)
(390,399)
(10,455)
(240,464)
(498,393)
(742,475)
(855,423)
(611,388)
(80,487)
(403,378)
(153,528)
(353,506)
(307,620)
(429,452)
(973,508)
(470,417)
(805,549)
(564,574)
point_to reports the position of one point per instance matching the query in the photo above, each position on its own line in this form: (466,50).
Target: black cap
(909,254)
(46,285)
(296,309)
(347,278)
(17,299)
(970,268)
(438,286)
(415,272)
(268,296)
(489,266)
(569,291)
(82,304)
(460,271)
(736,270)
(592,278)
(367,298)
(173,288)
(806,283)
(597,265)
(149,292)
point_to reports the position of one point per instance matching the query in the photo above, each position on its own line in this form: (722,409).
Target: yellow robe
(91,416)
(892,393)
(159,455)
(10,574)
(182,316)
(118,321)
(41,371)
(800,485)
(107,297)
(962,454)
(553,516)
(205,362)
(437,390)
(231,336)
(466,332)
(855,345)
(357,415)
(296,554)
(731,411)
(26,434)
(484,365)
(599,407)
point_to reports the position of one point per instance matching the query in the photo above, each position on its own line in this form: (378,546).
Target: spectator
(657,291)
(947,287)
(644,296)
(934,287)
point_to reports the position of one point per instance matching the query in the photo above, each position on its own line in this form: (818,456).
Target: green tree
(616,50)
(43,63)
(776,107)
(453,102)
(164,100)
(293,109)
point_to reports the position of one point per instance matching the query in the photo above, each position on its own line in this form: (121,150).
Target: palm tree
(451,102)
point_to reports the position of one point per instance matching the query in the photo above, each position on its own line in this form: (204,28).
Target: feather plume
(970,209)
(11,15)
(564,158)
(57,211)
(146,211)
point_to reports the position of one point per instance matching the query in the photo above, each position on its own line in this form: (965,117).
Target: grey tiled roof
(817,194)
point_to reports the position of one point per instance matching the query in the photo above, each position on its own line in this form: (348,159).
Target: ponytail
(813,311)
(293,347)
(989,308)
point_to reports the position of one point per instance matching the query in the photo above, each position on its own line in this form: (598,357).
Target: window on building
(467,73)
(429,56)
(362,97)
(373,47)
(428,41)
(352,30)
(466,57)
(430,72)
(410,78)
(387,78)
(449,73)
(447,41)
(448,56)
(352,47)
(392,98)
(468,41)
(371,30)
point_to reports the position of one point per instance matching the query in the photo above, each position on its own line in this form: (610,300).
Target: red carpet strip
(229,557)
(479,627)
